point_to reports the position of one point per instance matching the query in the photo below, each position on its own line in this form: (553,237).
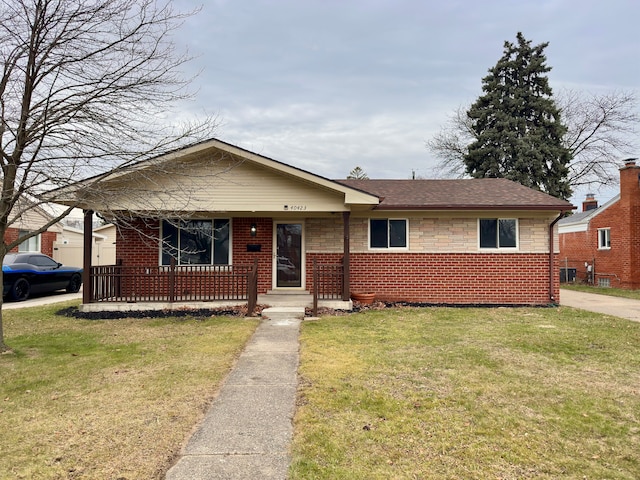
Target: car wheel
(20,290)
(74,284)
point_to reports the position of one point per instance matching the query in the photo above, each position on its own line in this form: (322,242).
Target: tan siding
(32,220)
(426,235)
(243,187)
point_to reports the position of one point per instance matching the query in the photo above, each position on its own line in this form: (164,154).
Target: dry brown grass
(469,394)
(107,399)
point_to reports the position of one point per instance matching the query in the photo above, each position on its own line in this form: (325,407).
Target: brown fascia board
(477,207)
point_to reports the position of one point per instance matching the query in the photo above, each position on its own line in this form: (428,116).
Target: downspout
(552,298)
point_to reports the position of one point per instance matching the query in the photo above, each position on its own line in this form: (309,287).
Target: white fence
(71,254)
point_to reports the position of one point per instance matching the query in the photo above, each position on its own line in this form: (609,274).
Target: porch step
(283,313)
(300,299)
(286,299)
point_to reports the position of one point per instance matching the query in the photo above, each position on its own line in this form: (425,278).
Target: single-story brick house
(462,242)
(601,245)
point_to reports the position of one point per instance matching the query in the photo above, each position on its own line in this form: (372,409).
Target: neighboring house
(104,251)
(463,242)
(69,246)
(31,218)
(601,245)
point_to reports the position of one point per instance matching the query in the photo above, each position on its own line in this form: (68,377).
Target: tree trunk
(3,346)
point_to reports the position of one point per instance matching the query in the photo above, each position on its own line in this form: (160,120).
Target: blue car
(34,273)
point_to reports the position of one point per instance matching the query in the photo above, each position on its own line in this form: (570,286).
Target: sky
(329,85)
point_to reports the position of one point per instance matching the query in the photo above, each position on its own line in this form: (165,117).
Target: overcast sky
(329,85)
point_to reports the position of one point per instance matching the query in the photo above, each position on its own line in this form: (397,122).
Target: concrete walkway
(593,302)
(248,429)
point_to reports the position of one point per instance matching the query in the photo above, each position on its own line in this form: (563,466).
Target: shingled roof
(467,194)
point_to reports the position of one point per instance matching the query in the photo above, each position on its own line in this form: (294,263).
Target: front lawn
(614,292)
(403,393)
(107,399)
(442,393)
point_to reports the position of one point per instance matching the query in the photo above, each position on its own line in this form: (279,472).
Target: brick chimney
(589,203)
(630,182)
(630,222)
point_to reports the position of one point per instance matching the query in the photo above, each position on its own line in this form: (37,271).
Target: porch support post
(87,286)
(346,262)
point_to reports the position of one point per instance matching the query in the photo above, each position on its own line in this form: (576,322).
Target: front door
(289,258)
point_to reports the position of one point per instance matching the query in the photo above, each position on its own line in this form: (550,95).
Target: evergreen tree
(357,174)
(517,125)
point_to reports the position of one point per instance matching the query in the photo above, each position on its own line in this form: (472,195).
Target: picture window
(196,242)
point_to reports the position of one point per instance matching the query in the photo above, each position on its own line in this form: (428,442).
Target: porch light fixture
(253,230)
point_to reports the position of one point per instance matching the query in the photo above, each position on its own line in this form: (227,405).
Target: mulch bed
(241,311)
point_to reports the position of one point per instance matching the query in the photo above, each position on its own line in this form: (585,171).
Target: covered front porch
(297,279)
(213,222)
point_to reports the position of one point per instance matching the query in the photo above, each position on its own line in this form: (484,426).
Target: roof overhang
(72,195)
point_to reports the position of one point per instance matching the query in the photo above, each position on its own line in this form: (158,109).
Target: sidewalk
(248,429)
(616,306)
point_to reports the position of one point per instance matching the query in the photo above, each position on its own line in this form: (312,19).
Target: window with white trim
(388,233)
(31,244)
(196,242)
(604,238)
(500,233)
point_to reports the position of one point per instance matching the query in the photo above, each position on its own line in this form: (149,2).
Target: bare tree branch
(86,86)
(601,130)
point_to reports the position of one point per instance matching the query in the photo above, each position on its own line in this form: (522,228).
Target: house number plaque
(295,208)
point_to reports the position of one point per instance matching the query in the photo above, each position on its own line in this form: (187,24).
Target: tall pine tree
(517,124)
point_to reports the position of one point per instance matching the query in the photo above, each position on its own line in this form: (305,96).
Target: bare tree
(86,86)
(601,130)
(451,143)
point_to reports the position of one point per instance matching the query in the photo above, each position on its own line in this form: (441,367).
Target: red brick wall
(139,245)
(443,278)
(576,248)
(46,240)
(264,237)
(11,235)
(620,263)
(454,278)
(502,279)
(630,201)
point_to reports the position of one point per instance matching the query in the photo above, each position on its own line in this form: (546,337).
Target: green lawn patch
(468,393)
(107,399)
(614,292)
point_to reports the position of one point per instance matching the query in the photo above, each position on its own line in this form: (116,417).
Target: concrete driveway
(40,300)
(593,302)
